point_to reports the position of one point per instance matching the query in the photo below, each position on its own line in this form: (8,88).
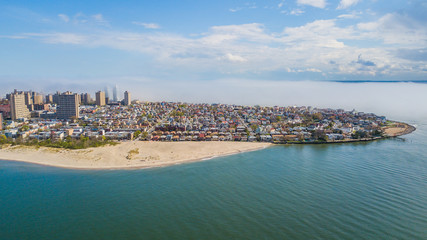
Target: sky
(199,50)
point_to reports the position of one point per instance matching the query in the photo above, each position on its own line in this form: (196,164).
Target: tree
(137,133)
(377,133)
(144,135)
(317,116)
(24,128)
(3,139)
(359,134)
(319,135)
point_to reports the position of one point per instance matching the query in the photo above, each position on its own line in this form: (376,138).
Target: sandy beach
(141,154)
(134,154)
(398,129)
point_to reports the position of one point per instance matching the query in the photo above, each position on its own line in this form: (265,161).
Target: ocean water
(375,190)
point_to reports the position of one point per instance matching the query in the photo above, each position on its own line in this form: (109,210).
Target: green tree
(137,133)
(377,133)
(359,134)
(144,135)
(24,128)
(3,139)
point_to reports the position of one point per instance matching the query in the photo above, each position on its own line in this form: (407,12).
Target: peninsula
(73,131)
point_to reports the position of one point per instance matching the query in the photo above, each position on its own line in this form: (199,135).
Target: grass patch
(132,153)
(68,143)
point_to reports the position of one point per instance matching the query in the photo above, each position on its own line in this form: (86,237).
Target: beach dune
(132,154)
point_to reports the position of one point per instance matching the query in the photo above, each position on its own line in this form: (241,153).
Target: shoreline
(154,154)
(402,129)
(141,154)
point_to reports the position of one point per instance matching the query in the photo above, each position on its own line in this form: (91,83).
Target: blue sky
(89,44)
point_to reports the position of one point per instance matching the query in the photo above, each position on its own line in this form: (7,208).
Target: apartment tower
(85,98)
(28,98)
(37,99)
(49,98)
(68,106)
(100,98)
(115,99)
(127,100)
(18,108)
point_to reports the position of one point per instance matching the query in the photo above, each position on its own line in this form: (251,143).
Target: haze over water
(375,190)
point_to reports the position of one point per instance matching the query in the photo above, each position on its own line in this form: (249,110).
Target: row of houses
(168,121)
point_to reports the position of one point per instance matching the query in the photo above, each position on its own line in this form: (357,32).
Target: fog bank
(399,100)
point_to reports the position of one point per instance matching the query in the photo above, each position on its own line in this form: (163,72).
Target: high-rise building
(18,108)
(79,99)
(100,98)
(56,97)
(40,107)
(28,98)
(68,106)
(127,99)
(107,92)
(115,94)
(49,98)
(37,99)
(31,107)
(5,110)
(85,98)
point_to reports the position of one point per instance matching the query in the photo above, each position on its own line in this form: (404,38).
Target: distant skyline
(80,45)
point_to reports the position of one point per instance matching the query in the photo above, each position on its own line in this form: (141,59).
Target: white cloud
(321,33)
(80,19)
(147,25)
(348,16)
(347,3)
(249,32)
(313,3)
(313,70)
(318,47)
(234,9)
(64,17)
(396,29)
(233,58)
(296,12)
(98,18)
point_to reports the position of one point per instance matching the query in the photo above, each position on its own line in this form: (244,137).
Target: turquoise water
(374,190)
